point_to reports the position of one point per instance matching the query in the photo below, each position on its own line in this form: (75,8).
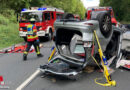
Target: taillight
(88,24)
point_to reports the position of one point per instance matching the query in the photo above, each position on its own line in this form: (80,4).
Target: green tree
(121,8)
(71,6)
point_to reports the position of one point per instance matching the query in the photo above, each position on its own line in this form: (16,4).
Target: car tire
(68,16)
(49,37)
(105,24)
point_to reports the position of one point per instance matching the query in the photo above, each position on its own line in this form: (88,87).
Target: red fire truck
(45,18)
(92,12)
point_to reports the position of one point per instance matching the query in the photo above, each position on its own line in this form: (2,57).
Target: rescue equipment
(53,49)
(16,49)
(110,82)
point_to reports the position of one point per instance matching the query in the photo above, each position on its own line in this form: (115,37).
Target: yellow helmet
(32,20)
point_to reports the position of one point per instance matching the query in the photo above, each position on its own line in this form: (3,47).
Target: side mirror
(18,17)
(86,15)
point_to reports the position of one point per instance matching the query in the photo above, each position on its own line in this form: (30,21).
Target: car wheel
(50,35)
(105,24)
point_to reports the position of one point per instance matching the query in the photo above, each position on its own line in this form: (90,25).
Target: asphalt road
(15,71)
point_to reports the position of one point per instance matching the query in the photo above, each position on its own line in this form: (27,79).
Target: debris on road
(125,62)
(89,69)
(18,49)
(53,80)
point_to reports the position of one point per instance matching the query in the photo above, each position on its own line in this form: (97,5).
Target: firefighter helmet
(32,19)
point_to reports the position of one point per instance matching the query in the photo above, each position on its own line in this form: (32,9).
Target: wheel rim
(106,23)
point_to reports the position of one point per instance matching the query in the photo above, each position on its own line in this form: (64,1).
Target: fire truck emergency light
(41,8)
(24,9)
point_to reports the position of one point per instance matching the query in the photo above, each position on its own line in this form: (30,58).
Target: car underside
(75,43)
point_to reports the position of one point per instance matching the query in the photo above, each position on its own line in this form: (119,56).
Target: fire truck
(92,13)
(45,18)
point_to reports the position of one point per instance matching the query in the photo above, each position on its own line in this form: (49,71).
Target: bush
(4,20)
(127,17)
(10,14)
(9,35)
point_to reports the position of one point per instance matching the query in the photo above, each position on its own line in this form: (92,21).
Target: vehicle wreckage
(76,42)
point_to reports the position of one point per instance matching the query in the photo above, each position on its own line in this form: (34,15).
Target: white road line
(32,77)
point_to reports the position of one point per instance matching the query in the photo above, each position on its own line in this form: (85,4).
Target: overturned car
(75,44)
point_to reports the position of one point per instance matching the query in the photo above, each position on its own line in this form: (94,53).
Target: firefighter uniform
(32,39)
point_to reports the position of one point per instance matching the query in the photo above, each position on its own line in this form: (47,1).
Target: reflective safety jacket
(31,33)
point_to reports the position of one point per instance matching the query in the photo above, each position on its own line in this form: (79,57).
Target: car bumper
(39,33)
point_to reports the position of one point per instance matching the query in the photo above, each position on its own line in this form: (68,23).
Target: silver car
(74,42)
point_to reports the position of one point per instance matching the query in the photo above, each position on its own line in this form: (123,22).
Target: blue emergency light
(24,9)
(41,8)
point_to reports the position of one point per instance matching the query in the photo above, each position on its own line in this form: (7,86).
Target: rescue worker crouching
(32,39)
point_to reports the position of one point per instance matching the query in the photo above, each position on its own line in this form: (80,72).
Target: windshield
(26,16)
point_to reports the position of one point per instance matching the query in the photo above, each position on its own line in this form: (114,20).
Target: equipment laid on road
(16,49)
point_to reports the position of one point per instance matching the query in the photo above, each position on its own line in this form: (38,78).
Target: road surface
(15,71)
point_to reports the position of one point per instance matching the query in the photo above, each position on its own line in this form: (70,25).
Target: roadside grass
(125,22)
(9,33)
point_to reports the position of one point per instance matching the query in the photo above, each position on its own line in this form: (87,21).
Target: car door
(47,18)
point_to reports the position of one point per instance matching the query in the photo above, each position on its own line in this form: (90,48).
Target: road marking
(29,80)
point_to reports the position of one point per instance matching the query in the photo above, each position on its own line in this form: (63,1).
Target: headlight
(40,28)
(20,29)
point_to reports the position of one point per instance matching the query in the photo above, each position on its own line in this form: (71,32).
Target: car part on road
(125,61)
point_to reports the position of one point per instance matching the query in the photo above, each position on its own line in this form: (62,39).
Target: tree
(121,8)
(71,6)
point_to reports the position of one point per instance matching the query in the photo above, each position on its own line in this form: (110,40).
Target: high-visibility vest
(31,29)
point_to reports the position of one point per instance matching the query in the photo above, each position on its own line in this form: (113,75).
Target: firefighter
(32,39)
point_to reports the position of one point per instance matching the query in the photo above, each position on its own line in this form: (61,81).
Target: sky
(89,3)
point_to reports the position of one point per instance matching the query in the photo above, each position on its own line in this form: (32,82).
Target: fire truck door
(47,18)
